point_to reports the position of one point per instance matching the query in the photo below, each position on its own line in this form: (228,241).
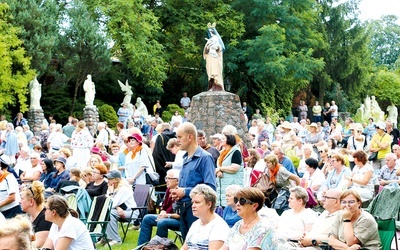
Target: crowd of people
(210,181)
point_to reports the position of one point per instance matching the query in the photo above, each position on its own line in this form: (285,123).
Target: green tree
(83,47)
(15,72)
(386,86)
(39,30)
(385,40)
(346,54)
(276,57)
(134,31)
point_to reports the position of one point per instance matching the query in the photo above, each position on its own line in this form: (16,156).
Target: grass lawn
(131,240)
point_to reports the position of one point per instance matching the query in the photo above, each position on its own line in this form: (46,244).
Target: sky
(374,9)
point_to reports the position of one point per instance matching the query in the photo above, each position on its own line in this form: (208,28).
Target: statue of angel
(127,89)
(36,93)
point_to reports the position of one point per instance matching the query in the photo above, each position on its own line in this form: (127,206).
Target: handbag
(152,178)
(268,188)
(281,202)
(373,156)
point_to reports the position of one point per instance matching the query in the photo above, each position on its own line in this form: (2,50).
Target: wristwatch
(169,216)
(346,220)
(314,242)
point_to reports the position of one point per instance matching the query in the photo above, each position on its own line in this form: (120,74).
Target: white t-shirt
(72,228)
(199,236)
(29,172)
(9,186)
(292,225)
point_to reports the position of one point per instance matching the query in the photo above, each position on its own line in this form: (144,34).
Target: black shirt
(40,224)
(96,190)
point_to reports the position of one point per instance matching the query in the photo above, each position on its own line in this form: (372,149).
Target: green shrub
(170,110)
(108,114)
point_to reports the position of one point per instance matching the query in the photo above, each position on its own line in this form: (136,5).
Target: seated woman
(67,231)
(210,230)
(60,175)
(122,201)
(354,228)
(168,218)
(298,220)
(32,202)
(361,179)
(99,185)
(48,172)
(278,174)
(314,177)
(15,233)
(252,232)
(230,213)
(337,177)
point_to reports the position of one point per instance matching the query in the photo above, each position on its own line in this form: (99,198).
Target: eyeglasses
(350,202)
(96,172)
(321,151)
(169,178)
(46,208)
(327,197)
(242,201)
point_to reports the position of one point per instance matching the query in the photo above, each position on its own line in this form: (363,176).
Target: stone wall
(211,111)
(35,120)
(91,117)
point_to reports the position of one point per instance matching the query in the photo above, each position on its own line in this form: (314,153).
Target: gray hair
(175,173)
(232,188)
(229,130)
(207,192)
(300,193)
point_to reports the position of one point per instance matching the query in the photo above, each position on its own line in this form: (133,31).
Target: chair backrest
(99,211)
(387,230)
(71,200)
(141,194)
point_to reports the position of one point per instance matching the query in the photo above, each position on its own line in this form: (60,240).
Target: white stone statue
(36,93)
(90,90)
(376,111)
(127,90)
(213,54)
(392,114)
(141,107)
(367,107)
(360,112)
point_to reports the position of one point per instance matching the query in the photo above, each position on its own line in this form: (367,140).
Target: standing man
(102,134)
(317,110)
(198,167)
(185,101)
(70,127)
(202,140)
(334,110)
(247,110)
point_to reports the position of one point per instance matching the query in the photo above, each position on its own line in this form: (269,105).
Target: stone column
(212,110)
(91,117)
(35,120)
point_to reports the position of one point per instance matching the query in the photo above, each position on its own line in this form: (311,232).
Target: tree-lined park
(276,52)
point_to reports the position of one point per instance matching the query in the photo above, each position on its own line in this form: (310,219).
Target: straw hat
(312,125)
(286,124)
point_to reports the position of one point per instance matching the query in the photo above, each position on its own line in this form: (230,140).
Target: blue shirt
(198,169)
(59,178)
(288,164)
(230,216)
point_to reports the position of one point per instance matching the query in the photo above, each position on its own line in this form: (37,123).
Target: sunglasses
(242,201)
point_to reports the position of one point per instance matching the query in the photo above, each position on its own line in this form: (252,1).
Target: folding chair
(98,219)
(141,196)
(387,231)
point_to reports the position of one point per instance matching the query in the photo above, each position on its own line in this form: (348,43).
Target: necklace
(245,227)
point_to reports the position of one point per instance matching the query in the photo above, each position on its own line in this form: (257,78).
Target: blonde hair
(35,191)
(20,227)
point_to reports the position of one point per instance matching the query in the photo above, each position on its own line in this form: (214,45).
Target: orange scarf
(223,155)
(274,172)
(134,151)
(5,173)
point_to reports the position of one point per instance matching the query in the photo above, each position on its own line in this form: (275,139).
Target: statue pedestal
(212,110)
(35,120)
(91,117)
